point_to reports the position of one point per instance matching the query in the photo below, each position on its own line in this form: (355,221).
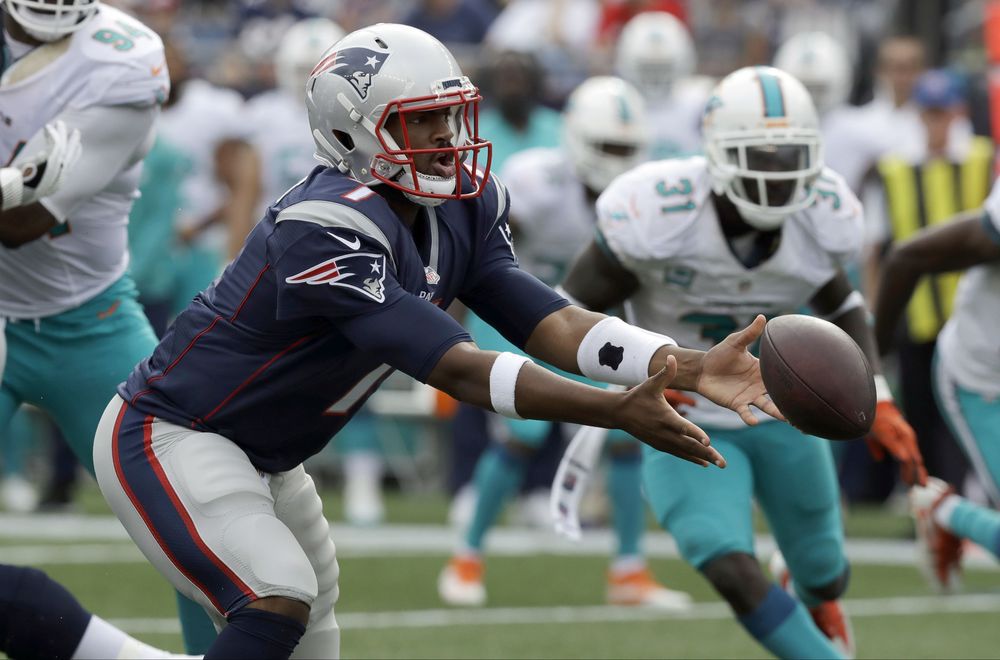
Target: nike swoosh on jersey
(354,245)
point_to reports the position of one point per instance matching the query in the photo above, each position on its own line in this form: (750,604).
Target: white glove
(41,173)
(572,478)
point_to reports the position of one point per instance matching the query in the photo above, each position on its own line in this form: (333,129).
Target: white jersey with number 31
(659,222)
(113,60)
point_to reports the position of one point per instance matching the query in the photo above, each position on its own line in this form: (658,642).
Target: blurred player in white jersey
(655,53)
(693,246)
(280,131)
(73,326)
(552,216)
(966,377)
(207,125)
(822,64)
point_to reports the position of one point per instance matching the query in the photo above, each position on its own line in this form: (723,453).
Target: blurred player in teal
(73,326)
(966,377)
(552,193)
(694,246)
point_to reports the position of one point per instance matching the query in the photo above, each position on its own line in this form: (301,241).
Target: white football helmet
(51,20)
(301,47)
(654,50)
(762,142)
(384,70)
(605,130)
(821,64)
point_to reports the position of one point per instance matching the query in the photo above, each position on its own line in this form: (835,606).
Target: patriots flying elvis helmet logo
(356,65)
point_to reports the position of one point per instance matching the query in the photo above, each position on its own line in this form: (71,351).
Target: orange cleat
(461,582)
(639,587)
(939,551)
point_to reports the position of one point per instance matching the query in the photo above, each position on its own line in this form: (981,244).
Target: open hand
(730,376)
(645,413)
(893,435)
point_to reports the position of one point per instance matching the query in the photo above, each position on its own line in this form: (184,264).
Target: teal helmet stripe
(623,110)
(770,87)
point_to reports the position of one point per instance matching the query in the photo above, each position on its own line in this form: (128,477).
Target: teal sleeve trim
(991,229)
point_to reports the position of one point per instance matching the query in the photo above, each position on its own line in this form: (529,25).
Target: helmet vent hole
(344,139)
(381,43)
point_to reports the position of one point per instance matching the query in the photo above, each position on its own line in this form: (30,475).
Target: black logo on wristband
(611,356)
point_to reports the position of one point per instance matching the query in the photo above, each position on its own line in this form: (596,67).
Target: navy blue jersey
(330,293)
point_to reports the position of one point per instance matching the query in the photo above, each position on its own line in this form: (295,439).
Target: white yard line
(857,608)
(395,540)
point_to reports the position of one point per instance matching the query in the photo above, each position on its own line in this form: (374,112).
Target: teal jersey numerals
(682,189)
(123,40)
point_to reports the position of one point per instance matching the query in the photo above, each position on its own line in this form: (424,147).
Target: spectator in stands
(453,21)
(925,183)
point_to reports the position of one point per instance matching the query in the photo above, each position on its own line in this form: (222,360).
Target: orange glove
(676,399)
(891,433)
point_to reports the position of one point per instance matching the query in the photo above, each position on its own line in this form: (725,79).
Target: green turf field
(540,605)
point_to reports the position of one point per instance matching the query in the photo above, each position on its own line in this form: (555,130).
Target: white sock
(942,512)
(102,641)
(366,465)
(628,564)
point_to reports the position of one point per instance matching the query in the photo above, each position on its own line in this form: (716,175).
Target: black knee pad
(739,579)
(832,590)
(38,617)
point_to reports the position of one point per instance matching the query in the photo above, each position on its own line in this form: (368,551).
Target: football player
(221,192)
(693,246)
(73,326)
(283,140)
(552,193)
(655,53)
(966,377)
(345,279)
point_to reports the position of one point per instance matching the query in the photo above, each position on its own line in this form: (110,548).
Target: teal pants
(70,364)
(975,422)
(708,511)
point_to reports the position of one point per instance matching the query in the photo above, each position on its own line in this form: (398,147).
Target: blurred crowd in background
(911,83)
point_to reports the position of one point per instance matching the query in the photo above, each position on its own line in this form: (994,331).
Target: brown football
(818,377)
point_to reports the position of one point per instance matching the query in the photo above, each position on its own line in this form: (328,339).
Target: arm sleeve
(355,288)
(500,293)
(112,138)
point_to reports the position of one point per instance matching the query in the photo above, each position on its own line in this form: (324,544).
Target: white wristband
(882,391)
(615,352)
(11,187)
(503,380)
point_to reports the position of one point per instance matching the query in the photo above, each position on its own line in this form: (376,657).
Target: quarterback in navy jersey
(343,280)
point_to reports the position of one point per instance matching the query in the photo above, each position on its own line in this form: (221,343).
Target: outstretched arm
(727,374)
(964,242)
(531,391)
